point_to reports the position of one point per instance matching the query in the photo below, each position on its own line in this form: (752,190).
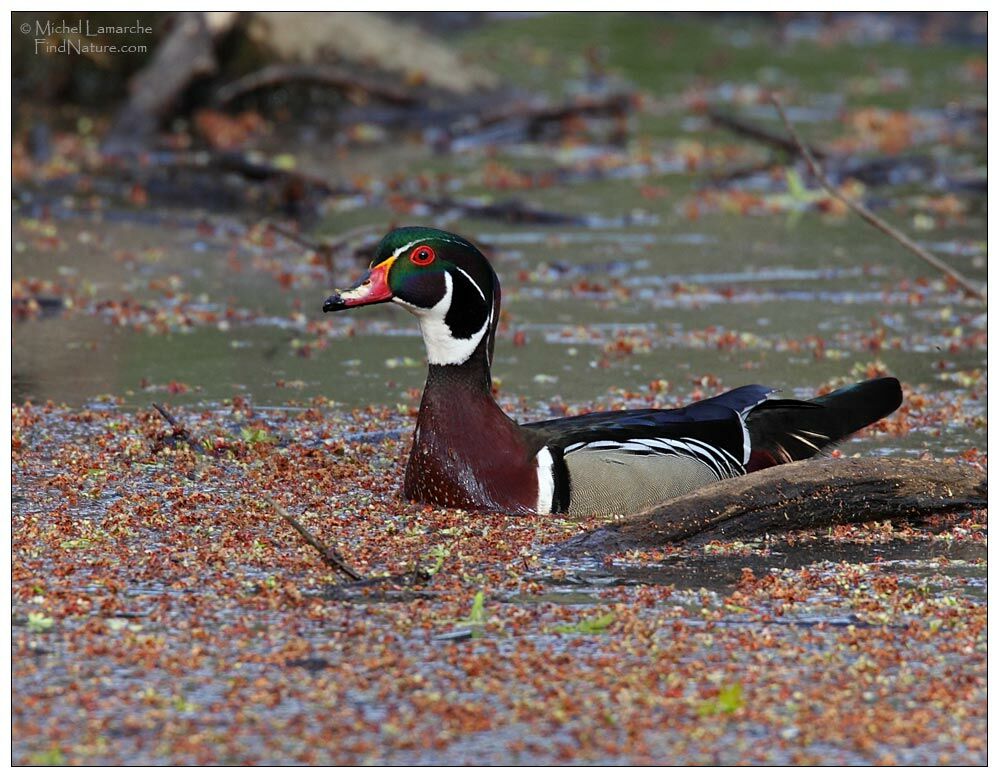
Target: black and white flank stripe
(718,459)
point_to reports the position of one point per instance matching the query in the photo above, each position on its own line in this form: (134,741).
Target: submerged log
(812,494)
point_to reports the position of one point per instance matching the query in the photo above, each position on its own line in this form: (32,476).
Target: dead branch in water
(858,208)
(761,134)
(179,431)
(813,494)
(333,559)
(330,556)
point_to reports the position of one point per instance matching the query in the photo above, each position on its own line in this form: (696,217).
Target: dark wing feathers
(716,421)
(779,430)
(788,430)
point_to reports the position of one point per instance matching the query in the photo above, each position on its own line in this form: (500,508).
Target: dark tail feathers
(783,431)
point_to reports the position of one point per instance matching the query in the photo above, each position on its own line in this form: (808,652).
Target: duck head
(443,280)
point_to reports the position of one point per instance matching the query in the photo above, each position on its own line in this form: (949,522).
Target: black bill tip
(333,303)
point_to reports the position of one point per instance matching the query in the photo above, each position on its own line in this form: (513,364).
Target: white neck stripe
(472,282)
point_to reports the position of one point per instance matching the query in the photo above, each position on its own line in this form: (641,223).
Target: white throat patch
(442,347)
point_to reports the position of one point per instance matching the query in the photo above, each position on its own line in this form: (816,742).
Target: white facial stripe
(546,481)
(408,306)
(401,249)
(442,347)
(492,334)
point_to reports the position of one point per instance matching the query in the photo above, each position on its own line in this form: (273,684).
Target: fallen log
(807,495)
(368,41)
(330,76)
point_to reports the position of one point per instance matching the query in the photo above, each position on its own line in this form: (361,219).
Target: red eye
(422,255)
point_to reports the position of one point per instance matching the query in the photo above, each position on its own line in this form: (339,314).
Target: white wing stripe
(725,457)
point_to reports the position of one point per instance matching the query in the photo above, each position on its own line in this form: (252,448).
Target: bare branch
(865,214)
(332,558)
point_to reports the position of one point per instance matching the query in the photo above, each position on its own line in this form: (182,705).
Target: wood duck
(467,453)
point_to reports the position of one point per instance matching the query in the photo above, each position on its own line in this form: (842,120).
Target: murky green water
(652,275)
(571,294)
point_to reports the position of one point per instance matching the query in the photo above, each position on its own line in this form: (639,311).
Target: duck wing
(625,461)
(718,422)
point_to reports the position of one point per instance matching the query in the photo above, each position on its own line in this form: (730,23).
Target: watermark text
(83,36)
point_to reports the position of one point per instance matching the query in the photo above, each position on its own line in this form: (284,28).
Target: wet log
(329,76)
(808,495)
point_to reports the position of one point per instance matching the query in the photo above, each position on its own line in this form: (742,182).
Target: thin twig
(170,418)
(347,237)
(327,246)
(179,431)
(332,558)
(865,214)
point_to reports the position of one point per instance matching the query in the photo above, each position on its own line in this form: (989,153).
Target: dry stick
(869,217)
(326,246)
(179,431)
(330,557)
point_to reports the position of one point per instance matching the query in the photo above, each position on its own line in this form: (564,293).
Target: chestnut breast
(468,454)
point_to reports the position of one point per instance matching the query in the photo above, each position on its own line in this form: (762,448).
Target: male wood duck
(468,454)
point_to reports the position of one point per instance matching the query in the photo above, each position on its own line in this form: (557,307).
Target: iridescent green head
(441,278)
